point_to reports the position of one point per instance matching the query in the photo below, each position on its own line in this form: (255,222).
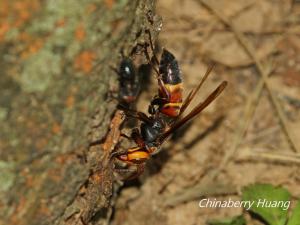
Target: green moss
(3,113)
(39,70)
(7,175)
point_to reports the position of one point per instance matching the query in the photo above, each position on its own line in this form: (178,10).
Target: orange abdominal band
(138,156)
(135,155)
(172,108)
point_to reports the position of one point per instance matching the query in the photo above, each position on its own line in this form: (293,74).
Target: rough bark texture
(55,84)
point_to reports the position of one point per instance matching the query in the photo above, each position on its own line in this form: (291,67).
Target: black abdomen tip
(169,68)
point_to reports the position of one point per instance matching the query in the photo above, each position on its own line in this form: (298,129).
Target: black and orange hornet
(165,111)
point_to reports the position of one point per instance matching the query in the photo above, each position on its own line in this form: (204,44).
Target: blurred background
(55,77)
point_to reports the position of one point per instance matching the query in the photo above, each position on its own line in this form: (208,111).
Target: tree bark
(55,109)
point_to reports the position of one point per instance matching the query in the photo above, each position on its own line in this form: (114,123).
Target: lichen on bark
(55,80)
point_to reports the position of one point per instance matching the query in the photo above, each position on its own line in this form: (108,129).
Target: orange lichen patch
(31,44)
(29,182)
(82,190)
(62,159)
(43,209)
(109,3)
(60,22)
(96,177)
(24,10)
(14,14)
(32,48)
(4,27)
(21,204)
(80,32)
(4,18)
(84,61)
(24,37)
(70,101)
(55,175)
(56,128)
(15,218)
(21,11)
(91,8)
(41,143)
(4,8)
